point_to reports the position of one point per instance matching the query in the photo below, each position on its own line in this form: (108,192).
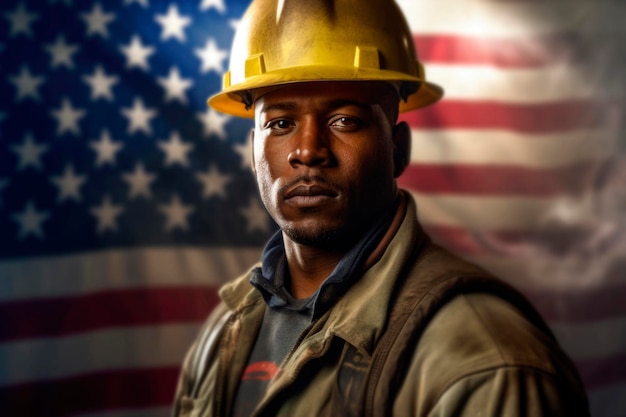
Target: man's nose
(310,146)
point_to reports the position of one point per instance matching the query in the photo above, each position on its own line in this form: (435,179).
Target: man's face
(324,159)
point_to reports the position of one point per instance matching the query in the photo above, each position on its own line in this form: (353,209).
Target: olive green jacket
(478,355)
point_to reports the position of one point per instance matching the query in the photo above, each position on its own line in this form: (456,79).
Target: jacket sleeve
(507,392)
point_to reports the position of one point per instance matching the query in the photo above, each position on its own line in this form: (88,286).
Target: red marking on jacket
(260,371)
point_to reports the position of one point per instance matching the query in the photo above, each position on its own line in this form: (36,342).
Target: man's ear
(402,149)
(252,151)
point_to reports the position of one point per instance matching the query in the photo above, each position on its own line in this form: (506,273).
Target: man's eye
(346,123)
(280,124)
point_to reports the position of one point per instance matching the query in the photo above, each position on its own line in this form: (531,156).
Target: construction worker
(352,310)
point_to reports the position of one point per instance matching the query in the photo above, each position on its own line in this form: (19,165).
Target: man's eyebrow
(283,105)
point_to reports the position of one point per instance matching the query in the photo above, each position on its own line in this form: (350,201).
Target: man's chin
(324,238)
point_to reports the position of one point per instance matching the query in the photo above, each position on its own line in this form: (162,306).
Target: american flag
(125,202)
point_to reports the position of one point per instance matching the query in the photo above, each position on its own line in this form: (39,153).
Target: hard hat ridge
(287,41)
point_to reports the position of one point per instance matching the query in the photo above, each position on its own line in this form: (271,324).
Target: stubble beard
(323,238)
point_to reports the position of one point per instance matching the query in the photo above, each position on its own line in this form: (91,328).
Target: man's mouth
(305,195)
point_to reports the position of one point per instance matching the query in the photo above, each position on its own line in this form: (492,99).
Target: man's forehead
(328,93)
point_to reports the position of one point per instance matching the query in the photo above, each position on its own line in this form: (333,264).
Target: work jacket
(478,354)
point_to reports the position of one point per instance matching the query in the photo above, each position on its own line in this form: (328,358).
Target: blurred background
(125,202)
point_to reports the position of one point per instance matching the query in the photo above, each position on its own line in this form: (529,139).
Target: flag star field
(106,132)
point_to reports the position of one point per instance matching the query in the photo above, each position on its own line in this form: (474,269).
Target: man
(353,311)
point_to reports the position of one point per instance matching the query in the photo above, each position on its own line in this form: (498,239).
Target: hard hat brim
(229,100)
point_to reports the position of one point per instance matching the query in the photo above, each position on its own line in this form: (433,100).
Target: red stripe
(467,242)
(85,312)
(527,118)
(600,372)
(121,389)
(527,52)
(485,180)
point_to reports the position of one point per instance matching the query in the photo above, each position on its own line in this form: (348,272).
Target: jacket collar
(359,317)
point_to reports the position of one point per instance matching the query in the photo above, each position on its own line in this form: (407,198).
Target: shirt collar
(270,278)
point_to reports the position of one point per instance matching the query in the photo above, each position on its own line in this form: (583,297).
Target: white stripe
(510,148)
(514,18)
(484,213)
(608,401)
(522,86)
(571,270)
(117,348)
(142,412)
(580,340)
(492,18)
(593,210)
(118,269)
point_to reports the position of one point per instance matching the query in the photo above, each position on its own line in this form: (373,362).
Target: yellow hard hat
(287,41)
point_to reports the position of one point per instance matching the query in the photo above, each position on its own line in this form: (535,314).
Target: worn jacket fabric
(478,356)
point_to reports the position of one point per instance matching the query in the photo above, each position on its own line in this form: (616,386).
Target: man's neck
(308,267)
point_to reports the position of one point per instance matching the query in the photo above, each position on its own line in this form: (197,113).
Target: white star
(3,184)
(26,85)
(175,150)
(139,182)
(106,214)
(106,149)
(143,3)
(61,53)
(257,216)
(218,4)
(69,184)
(175,86)
(139,117)
(213,182)
(245,151)
(173,24)
(29,153)
(21,20)
(137,54)
(97,21)
(176,213)
(67,118)
(212,57)
(214,123)
(30,221)
(100,84)
(234,24)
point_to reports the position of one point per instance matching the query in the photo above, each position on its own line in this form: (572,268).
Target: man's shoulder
(481,329)
(477,332)
(481,337)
